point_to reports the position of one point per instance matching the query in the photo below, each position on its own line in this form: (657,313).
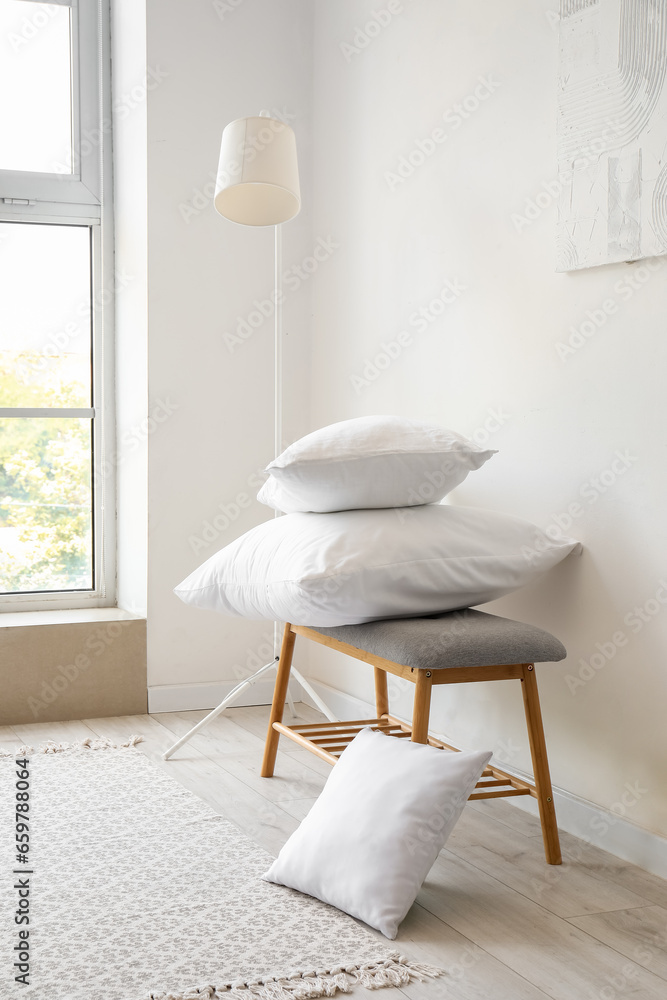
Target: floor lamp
(258,185)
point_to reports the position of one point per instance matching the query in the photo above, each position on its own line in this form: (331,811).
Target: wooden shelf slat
(500,792)
(344,722)
(328,740)
(350,734)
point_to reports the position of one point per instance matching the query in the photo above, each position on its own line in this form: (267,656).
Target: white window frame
(83,197)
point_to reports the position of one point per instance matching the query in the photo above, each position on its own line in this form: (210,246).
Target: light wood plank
(292,779)
(644,883)
(640,934)
(222,735)
(516,819)
(255,718)
(478,829)
(597,861)
(35,733)
(309,760)
(567,889)
(298,808)
(470,973)
(7,734)
(552,954)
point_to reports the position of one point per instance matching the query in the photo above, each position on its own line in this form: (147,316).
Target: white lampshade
(258,175)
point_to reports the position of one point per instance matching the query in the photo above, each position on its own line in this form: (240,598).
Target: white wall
(488,366)
(494,350)
(213,408)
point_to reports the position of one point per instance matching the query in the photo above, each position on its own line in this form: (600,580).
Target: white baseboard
(196,697)
(599,827)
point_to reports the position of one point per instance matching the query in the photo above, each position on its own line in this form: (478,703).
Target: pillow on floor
(356,566)
(370,462)
(385,813)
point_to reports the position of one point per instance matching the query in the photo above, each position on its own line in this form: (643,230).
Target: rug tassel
(92,743)
(394,971)
(397,972)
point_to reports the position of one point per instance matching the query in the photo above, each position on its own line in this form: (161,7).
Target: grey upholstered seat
(453,639)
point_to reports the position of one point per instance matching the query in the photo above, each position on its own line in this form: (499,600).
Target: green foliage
(45,480)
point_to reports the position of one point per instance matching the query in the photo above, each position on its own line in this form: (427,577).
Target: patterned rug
(135,889)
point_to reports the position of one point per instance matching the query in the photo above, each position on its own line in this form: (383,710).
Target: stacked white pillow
(370,462)
(362,538)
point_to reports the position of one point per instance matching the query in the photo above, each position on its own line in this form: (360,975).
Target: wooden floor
(500,922)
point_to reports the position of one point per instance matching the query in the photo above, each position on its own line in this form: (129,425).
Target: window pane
(45,333)
(46,540)
(35,87)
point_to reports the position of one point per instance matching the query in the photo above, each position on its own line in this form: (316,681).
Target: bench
(456,647)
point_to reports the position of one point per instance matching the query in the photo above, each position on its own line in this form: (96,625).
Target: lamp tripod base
(236,692)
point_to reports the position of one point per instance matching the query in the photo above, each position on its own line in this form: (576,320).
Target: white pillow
(370,462)
(383,817)
(358,565)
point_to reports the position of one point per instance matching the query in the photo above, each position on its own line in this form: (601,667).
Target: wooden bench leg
(538,752)
(421,707)
(381,693)
(278,704)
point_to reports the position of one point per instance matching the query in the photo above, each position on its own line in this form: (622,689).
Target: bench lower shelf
(327,740)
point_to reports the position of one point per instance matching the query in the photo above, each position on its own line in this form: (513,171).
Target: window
(56,292)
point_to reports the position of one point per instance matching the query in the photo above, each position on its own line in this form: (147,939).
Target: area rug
(135,889)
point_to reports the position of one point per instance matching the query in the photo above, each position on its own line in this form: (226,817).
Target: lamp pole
(262,191)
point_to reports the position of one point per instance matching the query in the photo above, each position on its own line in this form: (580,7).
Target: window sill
(61,616)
